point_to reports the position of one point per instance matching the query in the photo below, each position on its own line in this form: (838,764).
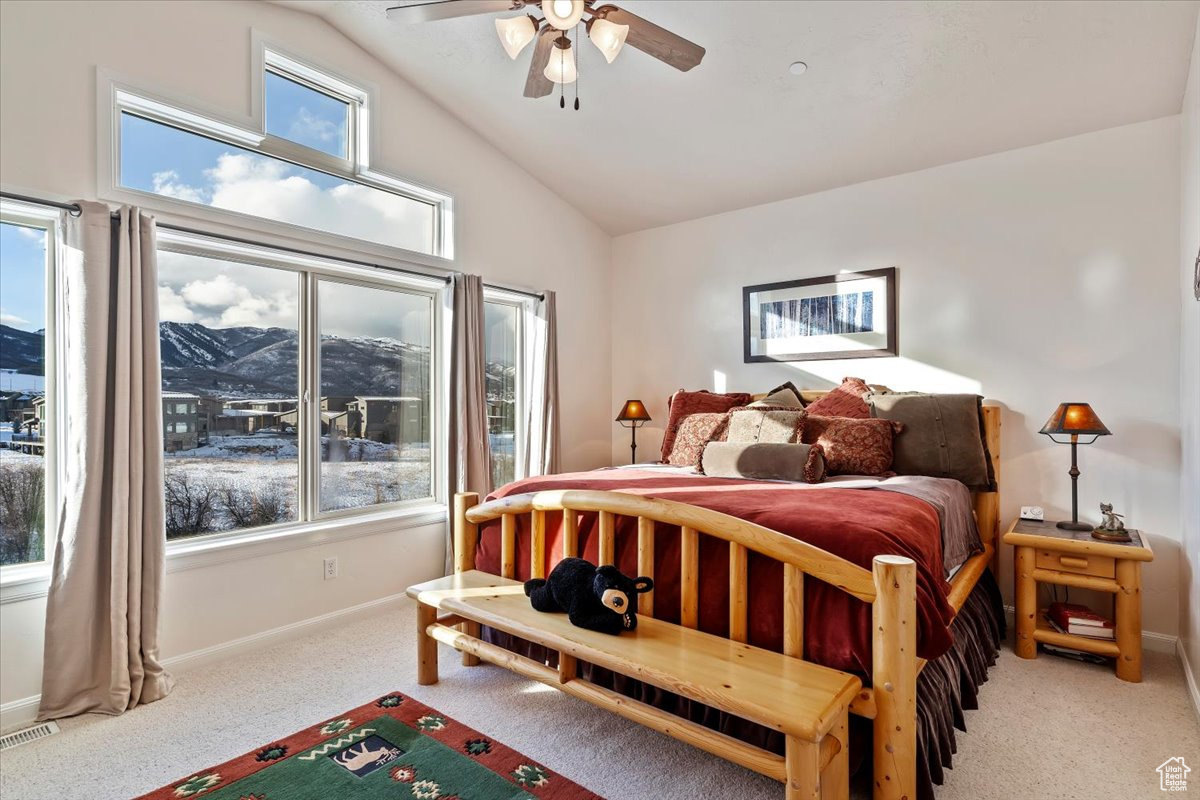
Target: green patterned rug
(393,747)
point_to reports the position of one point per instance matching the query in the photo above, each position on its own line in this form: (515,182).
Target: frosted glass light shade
(562,14)
(515,33)
(609,37)
(560,67)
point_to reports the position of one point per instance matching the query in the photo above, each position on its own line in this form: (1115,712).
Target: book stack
(1079,620)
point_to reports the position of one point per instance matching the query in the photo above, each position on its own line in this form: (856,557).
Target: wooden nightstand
(1045,553)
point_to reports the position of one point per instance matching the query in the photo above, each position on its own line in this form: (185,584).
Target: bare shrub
(249,509)
(190,506)
(22,513)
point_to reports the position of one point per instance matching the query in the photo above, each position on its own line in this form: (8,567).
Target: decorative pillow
(788,387)
(694,432)
(766,424)
(767,461)
(683,404)
(844,401)
(943,435)
(779,398)
(853,446)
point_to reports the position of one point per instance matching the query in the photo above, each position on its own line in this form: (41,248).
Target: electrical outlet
(330,569)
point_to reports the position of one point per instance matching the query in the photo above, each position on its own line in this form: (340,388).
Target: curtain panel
(106,586)
(470,458)
(541,387)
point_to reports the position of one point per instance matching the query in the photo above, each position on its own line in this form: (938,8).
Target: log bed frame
(890,701)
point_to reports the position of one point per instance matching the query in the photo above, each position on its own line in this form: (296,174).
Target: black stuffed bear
(597,598)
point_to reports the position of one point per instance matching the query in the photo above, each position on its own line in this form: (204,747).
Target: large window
(253,435)
(502,325)
(307,166)
(26,383)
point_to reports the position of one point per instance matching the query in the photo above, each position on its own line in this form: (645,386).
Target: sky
(22,277)
(227,294)
(164,160)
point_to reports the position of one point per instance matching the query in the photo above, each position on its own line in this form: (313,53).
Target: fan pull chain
(578,64)
(562,65)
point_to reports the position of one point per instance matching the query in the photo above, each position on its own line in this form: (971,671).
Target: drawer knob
(1073,562)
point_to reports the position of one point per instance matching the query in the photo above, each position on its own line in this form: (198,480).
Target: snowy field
(262,470)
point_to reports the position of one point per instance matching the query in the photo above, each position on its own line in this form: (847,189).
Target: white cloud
(172,307)
(12,320)
(306,126)
(217,292)
(32,234)
(167,183)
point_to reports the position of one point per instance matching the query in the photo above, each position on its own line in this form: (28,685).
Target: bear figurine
(597,598)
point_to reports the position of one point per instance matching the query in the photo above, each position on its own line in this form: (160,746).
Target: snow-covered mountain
(23,351)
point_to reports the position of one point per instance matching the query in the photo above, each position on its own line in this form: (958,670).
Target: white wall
(1189,567)
(1033,277)
(510,228)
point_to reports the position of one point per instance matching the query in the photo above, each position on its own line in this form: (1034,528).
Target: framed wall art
(848,315)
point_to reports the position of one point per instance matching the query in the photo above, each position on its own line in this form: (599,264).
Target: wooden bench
(806,702)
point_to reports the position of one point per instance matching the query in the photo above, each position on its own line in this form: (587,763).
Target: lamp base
(1111,536)
(1068,525)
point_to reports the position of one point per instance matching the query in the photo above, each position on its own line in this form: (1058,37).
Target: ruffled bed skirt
(946,688)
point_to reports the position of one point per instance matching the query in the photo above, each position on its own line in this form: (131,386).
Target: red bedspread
(856,524)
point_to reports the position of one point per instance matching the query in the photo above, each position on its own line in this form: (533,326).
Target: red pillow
(853,446)
(694,432)
(844,401)
(683,404)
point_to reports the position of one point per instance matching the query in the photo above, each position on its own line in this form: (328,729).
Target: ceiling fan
(608,27)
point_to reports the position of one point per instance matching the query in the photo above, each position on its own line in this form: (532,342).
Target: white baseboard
(16,713)
(1189,675)
(1151,640)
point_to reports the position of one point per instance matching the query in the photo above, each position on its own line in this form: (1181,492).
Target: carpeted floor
(1048,728)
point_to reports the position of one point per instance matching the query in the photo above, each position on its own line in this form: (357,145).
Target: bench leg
(470,629)
(427,654)
(802,766)
(835,779)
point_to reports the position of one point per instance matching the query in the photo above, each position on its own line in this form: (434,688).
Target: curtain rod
(74,210)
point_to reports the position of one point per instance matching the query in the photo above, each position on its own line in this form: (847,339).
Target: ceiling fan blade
(537,84)
(432,10)
(653,40)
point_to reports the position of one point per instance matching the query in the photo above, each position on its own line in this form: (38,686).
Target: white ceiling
(891,87)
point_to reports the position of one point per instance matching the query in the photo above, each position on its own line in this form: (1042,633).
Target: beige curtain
(470,467)
(102,612)
(541,387)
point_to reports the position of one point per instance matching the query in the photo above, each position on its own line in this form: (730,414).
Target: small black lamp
(1074,420)
(634,413)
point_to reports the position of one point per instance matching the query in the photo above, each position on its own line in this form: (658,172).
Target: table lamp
(1074,420)
(633,414)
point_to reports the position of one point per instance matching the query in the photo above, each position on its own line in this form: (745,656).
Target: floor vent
(27,735)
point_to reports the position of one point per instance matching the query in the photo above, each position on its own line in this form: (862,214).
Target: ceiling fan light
(560,67)
(562,14)
(609,37)
(515,33)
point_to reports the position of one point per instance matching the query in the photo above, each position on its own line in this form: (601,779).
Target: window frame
(49,220)
(526,308)
(308,271)
(117,96)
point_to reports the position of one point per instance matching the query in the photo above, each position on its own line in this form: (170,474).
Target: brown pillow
(683,404)
(853,446)
(943,435)
(788,387)
(766,424)
(844,401)
(694,432)
(767,461)
(780,398)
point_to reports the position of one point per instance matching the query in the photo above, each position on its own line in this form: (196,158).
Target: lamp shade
(515,33)
(609,37)
(633,411)
(562,14)
(560,67)
(1076,419)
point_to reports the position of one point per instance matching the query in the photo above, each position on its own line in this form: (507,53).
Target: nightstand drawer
(1099,566)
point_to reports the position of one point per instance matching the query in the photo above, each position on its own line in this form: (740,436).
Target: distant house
(252,415)
(391,420)
(180,421)
(14,403)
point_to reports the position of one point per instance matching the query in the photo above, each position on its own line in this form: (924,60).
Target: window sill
(31,581)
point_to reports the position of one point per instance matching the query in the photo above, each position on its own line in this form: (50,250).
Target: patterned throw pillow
(853,446)
(694,432)
(844,401)
(683,404)
(766,424)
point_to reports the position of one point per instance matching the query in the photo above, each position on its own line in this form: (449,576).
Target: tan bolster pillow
(800,463)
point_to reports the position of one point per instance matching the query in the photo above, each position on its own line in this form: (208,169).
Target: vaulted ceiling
(891,88)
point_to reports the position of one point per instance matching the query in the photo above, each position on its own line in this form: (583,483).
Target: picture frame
(847,315)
